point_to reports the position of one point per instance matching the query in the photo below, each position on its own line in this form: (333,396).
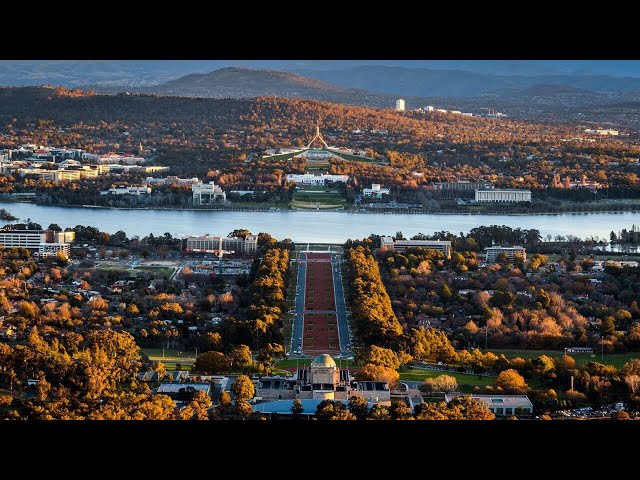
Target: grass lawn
(615,359)
(158,272)
(463,379)
(170,355)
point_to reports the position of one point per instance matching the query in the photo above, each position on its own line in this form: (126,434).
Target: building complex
(211,244)
(323,380)
(492,253)
(443,246)
(41,242)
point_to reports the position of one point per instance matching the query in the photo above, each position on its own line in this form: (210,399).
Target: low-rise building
(323,380)
(42,242)
(123,190)
(318,180)
(206,193)
(501,405)
(462,185)
(492,253)
(443,246)
(375,191)
(497,195)
(211,244)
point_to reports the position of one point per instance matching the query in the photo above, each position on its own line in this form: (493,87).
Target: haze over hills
(418,77)
(420,82)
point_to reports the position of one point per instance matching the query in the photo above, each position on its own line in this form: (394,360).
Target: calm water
(332,227)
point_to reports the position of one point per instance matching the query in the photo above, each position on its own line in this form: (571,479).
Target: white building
(209,244)
(45,242)
(501,405)
(318,180)
(443,246)
(429,108)
(30,239)
(122,190)
(171,180)
(52,249)
(375,191)
(206,193)
(400,104)
(493,252)
(503,195)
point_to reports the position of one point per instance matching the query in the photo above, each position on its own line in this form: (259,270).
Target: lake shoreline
(352,211)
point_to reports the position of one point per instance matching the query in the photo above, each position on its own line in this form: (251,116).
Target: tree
(297,408)
(441,383)
(400,410)
(379,412)
(378,373)
(240,356)
(243,388)
(211,362)
(55,227)
(379,356)
(359,407)
(333,410)
(61,258)
(511,381)
(239,233)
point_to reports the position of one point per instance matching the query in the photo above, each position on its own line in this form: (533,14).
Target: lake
(310,226)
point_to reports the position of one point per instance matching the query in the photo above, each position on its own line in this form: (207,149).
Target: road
(341,313)
(298,322)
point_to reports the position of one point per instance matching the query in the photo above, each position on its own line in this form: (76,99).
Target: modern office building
(400,105)
(492,253)
(462,185)
(206,193)
(211,244)
(503,195)
(375,191)
(443,246)
(42,242)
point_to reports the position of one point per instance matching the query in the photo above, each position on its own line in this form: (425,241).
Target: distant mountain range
(420,82)
(405,78)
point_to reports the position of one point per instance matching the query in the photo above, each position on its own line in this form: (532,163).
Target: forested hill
(235,82)
(156,118)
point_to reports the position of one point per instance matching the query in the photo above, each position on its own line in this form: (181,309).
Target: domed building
(322,380)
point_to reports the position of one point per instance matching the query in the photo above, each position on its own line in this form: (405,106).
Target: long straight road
(341,313)
(298,322)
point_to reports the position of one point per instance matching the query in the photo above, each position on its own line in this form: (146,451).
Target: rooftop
(496,400)
(323,360)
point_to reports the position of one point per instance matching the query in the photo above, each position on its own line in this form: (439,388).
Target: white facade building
(52,249)
(122,190)
(493,252)
(22,238)
(400,104)
(443,246)
(206,193)
(375,191)
(318,180)
(208,244)
(503,195)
